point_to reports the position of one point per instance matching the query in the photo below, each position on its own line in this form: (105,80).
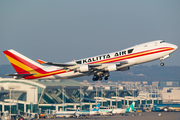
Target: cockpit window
(162,41)
(130,51)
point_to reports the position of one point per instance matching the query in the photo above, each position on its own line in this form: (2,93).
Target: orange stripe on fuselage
(133,55)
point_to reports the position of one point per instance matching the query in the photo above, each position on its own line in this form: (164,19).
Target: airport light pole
(155,92)
(81,97)
(34,99)
(118,93)
(10,104)
(158,96)
(13,95)
(133,94)
(102,94)
(63,92)
(116,96)
(34,92)
(96,94)
(10,101)
(151,91)
(63,96)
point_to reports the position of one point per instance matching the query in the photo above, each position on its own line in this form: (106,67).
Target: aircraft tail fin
(97,107)
(130,108)
(21,63)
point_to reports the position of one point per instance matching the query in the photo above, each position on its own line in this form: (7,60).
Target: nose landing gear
(162,64)
(162,58)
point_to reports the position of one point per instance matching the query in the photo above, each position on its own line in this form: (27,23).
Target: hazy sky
(63,30)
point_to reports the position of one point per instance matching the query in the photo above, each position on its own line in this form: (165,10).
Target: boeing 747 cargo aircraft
(99,66)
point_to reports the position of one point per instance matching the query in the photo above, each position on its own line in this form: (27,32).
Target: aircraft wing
(68,65)
(94,65)
(56,64)
(89,68)
(65,65)
(121,63)
(60,64)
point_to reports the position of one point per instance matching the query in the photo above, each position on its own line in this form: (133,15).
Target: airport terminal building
(34,96)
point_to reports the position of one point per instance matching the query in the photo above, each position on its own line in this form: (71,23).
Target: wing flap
(94,65)
(61,64)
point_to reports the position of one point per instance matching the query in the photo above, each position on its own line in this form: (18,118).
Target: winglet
(40,61)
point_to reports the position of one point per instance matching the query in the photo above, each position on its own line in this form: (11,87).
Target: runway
(144,116)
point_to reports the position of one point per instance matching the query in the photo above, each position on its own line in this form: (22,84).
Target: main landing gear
(96,77)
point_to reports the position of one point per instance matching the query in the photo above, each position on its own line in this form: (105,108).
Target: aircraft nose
(175,47)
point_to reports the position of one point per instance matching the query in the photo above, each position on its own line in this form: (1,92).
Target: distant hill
(136,73)
(6,69)
(144,73)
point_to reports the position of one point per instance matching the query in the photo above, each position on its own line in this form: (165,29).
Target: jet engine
(84,68)
(112,67)
(124,68)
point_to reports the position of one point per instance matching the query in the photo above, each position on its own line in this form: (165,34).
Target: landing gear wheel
(106,78)
(162,64)
(95,78)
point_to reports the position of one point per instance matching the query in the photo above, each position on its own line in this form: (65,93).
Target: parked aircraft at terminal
(99,66)
(122,111)
(117,110)
(166,107)
(95,111)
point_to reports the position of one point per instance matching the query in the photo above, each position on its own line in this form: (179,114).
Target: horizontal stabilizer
(19,75)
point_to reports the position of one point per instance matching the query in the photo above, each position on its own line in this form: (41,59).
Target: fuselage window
(130,51)
(162,41)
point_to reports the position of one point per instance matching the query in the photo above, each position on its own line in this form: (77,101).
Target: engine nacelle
(84,68)
(124,68)
(112,67)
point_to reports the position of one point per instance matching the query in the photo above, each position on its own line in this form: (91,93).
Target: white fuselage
(65,113)
(134,55)
(86,113)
